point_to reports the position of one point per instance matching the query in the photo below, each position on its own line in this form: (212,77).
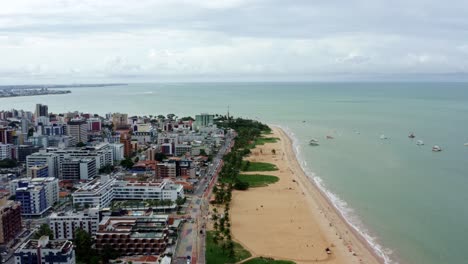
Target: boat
(466,144)
(330,137)
(419,142)
(383,137)
(436,148)
(411,135)
(313,142)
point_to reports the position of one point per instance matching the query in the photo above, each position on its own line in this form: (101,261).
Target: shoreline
(384,259)
(298,221)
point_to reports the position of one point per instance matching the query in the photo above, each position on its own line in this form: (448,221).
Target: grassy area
(260,166)
(263,140)
(267,261)
(258,180)
(215,255)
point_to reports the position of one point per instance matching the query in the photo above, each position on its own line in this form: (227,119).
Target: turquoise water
(413,201)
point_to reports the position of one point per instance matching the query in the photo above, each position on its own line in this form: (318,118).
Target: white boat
(383,137)
(419,142)
(436,148)
(466,144)
(313,142)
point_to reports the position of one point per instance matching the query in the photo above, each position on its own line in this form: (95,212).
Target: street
(192,238)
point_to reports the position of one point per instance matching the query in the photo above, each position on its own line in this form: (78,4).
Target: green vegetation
(263,141)
(83,246)
(80,144)
(258,166)
(107,169)
(160,156)
(44,230)
(257,180)
(8,163)
(220,247)
(187,118)
(251,180)
(217,254)
(138,204)
(262,260)
(127,163)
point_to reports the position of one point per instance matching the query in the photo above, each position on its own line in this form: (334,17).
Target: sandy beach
(291,219)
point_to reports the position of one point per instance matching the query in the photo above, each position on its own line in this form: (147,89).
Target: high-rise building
(10,220)
(39,171)
(24,125)
(78,129)
(120,121)
(94,124)
(117,151)
(6,151)
(204,120)
(35,195)
(45,251)
(64,225)
(76,169)
(7,135)
(126,140)
(41,110)
(42,158)
(26,150)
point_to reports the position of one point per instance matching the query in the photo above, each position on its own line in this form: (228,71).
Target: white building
(97,193)
(117,151)
(45,251)
(165,190)
(40,158)
(5,151)
(101,192)
(34,187)
(64,225)
(181,149)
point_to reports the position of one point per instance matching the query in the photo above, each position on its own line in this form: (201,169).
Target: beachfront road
(192,236)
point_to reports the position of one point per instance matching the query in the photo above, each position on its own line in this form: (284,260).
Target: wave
(341,206)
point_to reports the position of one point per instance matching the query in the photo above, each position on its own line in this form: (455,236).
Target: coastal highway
(192,235)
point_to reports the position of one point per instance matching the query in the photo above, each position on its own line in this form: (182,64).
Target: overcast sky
(65,41)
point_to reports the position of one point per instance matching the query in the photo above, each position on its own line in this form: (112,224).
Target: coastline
(315,182)
(298,221)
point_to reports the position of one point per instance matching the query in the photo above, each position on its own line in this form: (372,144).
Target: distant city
(30,90)
(69,182)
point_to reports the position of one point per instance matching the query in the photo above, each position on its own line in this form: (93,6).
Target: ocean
(411,202)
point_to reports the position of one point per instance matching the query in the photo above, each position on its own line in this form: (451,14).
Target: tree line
(247,131)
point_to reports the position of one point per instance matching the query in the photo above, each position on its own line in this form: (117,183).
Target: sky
(79,41)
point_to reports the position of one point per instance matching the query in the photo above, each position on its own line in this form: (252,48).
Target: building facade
(43,158)
(79,130)
(35,195)
(134,235)
(10,220)
(76,169)
(45,251)
(6,151)
(101,192)
(64,225)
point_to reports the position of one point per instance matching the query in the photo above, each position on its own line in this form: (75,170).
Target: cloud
(151,39)
(353,58)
